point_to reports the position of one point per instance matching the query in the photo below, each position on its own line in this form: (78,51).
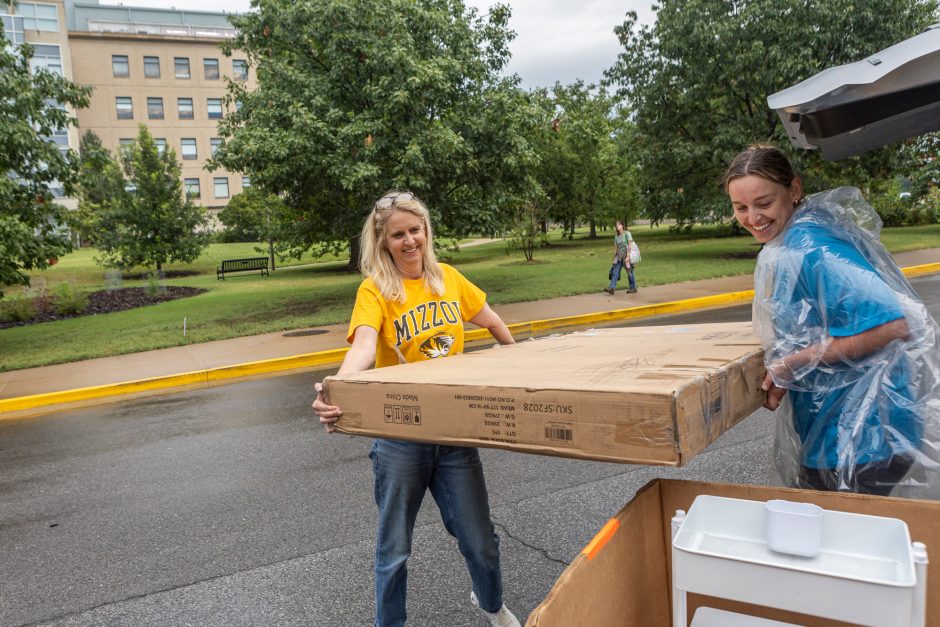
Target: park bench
(249,264)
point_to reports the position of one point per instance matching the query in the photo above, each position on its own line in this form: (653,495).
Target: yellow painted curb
(927,268)
(334,356)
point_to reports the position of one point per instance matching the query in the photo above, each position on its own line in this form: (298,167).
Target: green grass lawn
(315,291)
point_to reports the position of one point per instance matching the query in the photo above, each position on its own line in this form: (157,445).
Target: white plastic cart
(867,571)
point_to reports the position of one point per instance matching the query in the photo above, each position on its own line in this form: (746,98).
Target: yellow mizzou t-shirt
(425,326)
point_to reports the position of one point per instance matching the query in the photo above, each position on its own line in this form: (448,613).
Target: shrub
(17,310)
(525,233)
(67,301)
(155,286)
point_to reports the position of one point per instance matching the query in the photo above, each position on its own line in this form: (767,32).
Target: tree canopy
(584,170)
(32,108)
(98,182)
(356,98)
(698,80)
(150,222)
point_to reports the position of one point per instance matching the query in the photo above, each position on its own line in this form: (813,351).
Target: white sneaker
(502,618)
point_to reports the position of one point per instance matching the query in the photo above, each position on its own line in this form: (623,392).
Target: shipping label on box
(651,395)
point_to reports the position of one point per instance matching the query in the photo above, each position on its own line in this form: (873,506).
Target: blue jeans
(615,275)
(403,472)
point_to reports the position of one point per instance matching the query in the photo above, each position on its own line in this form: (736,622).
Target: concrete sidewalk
(39,390)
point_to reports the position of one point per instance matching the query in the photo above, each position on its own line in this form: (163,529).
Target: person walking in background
(851,350)
(623,241)
(403,276)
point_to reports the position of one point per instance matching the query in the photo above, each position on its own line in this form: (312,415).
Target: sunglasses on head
(391,198)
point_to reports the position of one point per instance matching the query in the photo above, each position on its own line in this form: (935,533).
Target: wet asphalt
(230,506)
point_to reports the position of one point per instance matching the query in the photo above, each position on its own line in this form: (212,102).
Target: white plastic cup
(794,528)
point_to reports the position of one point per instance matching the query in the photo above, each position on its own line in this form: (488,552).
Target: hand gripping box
(643,395)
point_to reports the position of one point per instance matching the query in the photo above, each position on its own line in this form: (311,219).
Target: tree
(98,182)
(698,81)
(32,109)
(584,170)
(356,98)
(255,215)
(149,223)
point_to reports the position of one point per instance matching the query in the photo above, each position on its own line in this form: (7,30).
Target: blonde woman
(412,308)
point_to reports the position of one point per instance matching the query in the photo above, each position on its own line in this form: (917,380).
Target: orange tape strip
(601,539)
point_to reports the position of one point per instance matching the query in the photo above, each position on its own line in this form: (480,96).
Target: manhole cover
(306,332)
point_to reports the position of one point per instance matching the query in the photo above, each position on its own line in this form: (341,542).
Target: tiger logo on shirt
(438,345)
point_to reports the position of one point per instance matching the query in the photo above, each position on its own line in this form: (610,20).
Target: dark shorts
(875,478)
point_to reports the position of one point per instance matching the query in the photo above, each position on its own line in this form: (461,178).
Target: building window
(185,108)
(246,182)
(240,69)
(124,145)
(160,142)
(238,105)
(46,57)
(221,186)
(119,66)
(211,67)
(13,29)
(155,108)
(125,107)
(152,67)
(38,16)
(214,144)
(215,108)
(182,67)
(189,148)
(59,135)
(192,188)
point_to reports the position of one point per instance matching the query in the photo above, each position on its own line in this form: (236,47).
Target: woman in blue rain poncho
(851,350)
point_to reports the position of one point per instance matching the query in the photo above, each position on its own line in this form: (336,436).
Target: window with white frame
(246,182)
(46,57)
(188,145)
(214,144)
(13,29)
(192,188)
(160,142)
(220,183)
(59,135)
(120,67)
(152,67)
(125,107)
(38,16)
(214,105)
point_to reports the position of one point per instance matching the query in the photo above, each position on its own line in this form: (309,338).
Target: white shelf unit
(867,572)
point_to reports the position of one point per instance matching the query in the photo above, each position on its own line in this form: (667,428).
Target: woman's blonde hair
(767,162)
(375,261)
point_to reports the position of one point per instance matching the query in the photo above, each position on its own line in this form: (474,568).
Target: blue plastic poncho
(845,419)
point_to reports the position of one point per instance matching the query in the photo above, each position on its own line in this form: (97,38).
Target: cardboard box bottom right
(623,577)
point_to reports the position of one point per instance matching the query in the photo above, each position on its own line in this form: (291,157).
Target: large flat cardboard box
(624,576)
(644,395)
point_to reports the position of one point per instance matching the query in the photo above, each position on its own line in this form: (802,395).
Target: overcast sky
(556,40)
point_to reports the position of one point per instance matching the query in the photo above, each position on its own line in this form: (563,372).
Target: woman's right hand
(774,394)
(328,414)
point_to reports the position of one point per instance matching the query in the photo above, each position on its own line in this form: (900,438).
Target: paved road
(231,507)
